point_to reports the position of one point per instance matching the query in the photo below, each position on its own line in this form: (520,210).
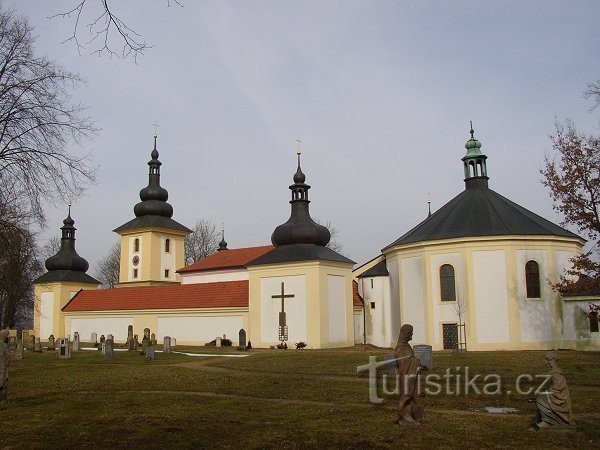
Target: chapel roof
(228,294)
(230,259)
(479,211)
(378,270)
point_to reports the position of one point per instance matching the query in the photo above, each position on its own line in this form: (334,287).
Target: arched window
(447,284)
(136,245)
(532,279)
(167,245)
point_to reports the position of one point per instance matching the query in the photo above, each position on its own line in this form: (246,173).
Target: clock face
(135,260)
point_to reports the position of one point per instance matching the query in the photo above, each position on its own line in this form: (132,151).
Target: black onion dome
(300,227)
(67,258)
(154,197)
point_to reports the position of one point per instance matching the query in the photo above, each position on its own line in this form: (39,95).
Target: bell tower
(152,244)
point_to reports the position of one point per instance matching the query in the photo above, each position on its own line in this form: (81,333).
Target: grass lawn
(276,398)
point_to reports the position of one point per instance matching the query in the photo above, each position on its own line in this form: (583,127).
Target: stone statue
(553,405)
(408,368)
(4,360)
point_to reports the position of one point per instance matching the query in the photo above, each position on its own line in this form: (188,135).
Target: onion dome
(475,164)
(67,265)
(154,197)
(67,258)
(300,227)
(223,243)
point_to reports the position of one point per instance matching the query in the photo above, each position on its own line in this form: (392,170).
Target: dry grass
(273,399)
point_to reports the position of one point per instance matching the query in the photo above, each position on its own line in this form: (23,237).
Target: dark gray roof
(378,270)
(153,221)
(66,275)
(479,211)
(299,252)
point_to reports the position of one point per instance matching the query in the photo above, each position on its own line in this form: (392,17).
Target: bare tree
(108,267)
(593,92)
(333,243)
(572,174)
(202,242)
(18,268)
(38,121)
(106,30)
(50,248)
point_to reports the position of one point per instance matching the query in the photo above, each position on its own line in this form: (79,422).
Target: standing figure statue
(4,360)
(554,404)
(408,367)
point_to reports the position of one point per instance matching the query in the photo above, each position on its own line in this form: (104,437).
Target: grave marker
(425,355)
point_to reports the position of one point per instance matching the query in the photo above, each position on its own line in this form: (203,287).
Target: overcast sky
(379,92)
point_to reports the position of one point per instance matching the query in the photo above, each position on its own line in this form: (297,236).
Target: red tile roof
(227,259)
(206,295)
(356,298)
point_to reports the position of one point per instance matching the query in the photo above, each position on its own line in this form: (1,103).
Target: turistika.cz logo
(454,381)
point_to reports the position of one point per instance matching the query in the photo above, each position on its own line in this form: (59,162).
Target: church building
(294,290)
(476,275)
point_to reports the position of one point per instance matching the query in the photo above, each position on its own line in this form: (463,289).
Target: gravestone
(108,350)
(150,353)
(218,342)
(19,352)
(173,342)
(76,342)
(25,336)
(153,339)
(111,337)
(130,339)
(38,346)
(51,342)
(425,355)
(242,338)
(94,339)
(102,341)
(31,343)
(167,345)
(12,346)
(63,352)
(136,342)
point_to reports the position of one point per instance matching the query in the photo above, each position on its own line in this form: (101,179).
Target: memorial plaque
(425,355)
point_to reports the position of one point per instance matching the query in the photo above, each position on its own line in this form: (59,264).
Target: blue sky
(379,92)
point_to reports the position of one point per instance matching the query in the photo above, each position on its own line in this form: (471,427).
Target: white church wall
(295,308)
(444,312)
(535,314)
(413,297)
(391,295)
(491,296)
(214,276)
(358,326)
(562,262)
(199,330)
(336,308)
(85,326)
(46,315)
(377,305)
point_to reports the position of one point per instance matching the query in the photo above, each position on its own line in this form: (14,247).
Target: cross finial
(69,207)
(472,131)
(298,151)
(155,125)
(429,203)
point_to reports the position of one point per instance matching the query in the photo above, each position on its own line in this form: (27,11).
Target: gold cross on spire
(298,151)
(155,125)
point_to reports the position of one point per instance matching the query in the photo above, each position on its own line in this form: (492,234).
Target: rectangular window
(166,273)
(593,316)
(372,305)
(371,283)
(167,246)
(135,273)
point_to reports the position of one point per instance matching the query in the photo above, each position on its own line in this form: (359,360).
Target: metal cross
(298,151)
(283,335)
(156,125)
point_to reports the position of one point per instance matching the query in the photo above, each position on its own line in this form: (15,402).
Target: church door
(450,336)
